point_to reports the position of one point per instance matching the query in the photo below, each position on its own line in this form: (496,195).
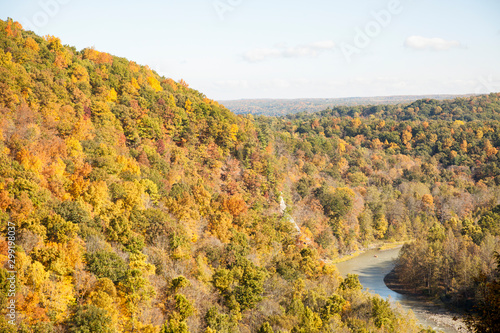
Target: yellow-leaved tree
(154,83)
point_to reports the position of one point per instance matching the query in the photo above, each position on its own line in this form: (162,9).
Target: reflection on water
(372,266)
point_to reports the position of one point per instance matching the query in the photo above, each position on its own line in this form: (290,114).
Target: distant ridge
(280,107)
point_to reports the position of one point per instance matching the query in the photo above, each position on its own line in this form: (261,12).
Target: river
(373,265)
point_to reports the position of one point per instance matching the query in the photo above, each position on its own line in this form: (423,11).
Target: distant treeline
(280,107)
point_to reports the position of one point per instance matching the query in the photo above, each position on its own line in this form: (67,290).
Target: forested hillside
(138,204)
(141,205)
(426,171)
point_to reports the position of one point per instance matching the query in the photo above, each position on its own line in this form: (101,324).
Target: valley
(139,204)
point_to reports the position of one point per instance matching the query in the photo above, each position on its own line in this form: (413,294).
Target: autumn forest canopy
(142,205)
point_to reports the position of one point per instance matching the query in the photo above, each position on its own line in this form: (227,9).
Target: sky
(236,49)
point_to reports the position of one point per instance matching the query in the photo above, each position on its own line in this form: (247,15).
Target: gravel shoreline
(435,312)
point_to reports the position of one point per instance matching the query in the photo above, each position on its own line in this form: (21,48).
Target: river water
(373,265)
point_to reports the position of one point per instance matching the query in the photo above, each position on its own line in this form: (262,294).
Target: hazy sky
(231,49)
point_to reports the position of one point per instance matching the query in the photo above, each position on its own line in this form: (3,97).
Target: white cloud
(436,44)
(282,51)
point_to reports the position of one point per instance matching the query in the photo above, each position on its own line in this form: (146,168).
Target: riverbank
(372,266)
(434,309)
(392,282)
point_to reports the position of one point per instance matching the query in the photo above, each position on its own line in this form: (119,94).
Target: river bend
(373,265)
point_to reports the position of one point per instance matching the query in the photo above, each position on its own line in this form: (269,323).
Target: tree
(60,230)
(251,286)
(135,288)
(310,322)
(382,313)
(154,83)
(220,322)
(487,318)
(351,282)
(336,203)
(265,328)
(183,306)
(179,283)
(304,186)
(489,149)
(428,201)
(90,319)
(112,96)
(334,305)
(73,211)
(106,265)
(220,226)
(175,326)
(406,136)
(380,225)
